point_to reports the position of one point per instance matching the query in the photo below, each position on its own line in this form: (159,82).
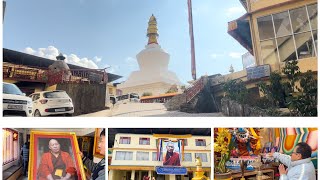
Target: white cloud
(51,52)
(215,55)
(130,60)
(233,11)
(97,59)
(235,55)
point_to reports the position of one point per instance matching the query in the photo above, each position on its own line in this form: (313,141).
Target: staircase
(196,99)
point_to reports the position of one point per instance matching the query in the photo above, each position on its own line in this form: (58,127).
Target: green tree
(305,103)
(274,94)
(236,90)
(292,72)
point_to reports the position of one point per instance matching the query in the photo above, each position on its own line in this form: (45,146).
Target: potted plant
(222,147)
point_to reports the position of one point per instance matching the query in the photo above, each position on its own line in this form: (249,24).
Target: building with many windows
(275,32)
(135,152)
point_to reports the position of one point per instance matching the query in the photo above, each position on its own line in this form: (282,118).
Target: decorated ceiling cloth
(288,138)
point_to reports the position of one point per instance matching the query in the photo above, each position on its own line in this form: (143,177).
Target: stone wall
(87,98)
(233,108)
(203,102)
(175,102)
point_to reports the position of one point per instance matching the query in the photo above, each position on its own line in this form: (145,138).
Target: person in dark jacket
(25,157)
(97,169)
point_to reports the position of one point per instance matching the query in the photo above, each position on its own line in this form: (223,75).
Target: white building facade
(135,156)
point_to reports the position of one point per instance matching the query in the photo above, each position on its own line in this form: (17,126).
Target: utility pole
(193,59)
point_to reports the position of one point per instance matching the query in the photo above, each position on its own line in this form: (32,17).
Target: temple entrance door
(178,177)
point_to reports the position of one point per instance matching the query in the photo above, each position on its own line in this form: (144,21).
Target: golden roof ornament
(152,32)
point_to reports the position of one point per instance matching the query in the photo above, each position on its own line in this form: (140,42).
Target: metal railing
(192,91)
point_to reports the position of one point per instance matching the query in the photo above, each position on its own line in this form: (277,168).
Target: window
(299,19)
(282,24)
(154,156)
(313,16)
(187,157)
(265,27)
(200,142)
(10,145)
(124,155)
(35,97)
(125,140)
(288,35)
(203,156)
(142,156)
(144,141)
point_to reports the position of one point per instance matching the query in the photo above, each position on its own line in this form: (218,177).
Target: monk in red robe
(171,158)
(55,164)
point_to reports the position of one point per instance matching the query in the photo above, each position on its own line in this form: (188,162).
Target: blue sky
(102,33)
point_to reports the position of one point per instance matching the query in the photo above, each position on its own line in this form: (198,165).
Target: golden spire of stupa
(152,30)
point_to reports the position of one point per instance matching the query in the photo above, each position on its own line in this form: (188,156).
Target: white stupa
(153,76)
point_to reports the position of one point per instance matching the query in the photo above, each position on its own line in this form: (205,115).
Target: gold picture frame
(39,148)
(96,151)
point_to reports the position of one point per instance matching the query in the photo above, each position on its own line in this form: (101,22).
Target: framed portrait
(54,154)
(171,153)
(96,151)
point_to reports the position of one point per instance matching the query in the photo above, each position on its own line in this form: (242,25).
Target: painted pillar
(172,177)
(150,174)
(111,173)
(133,173)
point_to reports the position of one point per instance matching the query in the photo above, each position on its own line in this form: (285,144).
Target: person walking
(25,157)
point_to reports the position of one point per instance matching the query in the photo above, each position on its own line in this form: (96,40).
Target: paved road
(145,110)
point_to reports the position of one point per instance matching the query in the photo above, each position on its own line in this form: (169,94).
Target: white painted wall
(134,147)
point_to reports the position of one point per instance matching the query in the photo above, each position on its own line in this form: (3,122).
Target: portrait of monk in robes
(56,164)
(171,158)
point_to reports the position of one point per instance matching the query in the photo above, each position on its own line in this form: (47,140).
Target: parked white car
(15,103)
(47,103)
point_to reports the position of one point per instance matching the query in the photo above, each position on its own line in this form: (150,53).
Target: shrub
(236,90)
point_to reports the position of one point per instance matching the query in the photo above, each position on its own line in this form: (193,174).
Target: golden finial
(152,30)
(199,174)
(198,164)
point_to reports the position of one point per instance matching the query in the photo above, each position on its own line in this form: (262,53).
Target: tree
(236,90)
(305,103)
(274,94)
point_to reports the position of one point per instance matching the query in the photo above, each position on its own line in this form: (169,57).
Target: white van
(15,103)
